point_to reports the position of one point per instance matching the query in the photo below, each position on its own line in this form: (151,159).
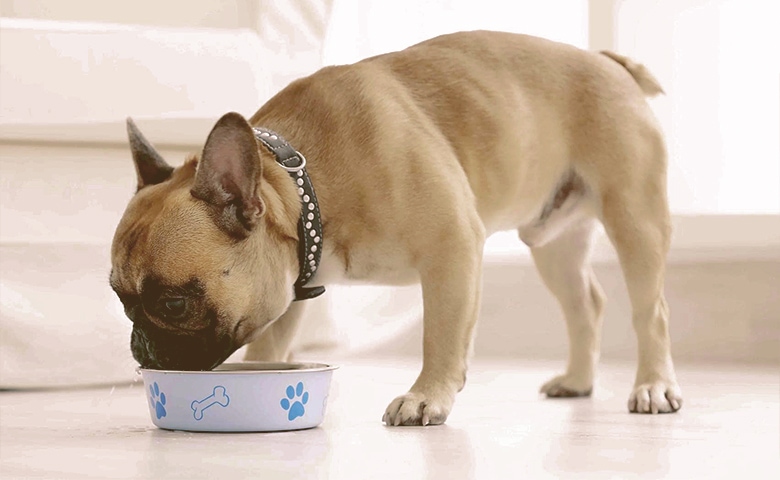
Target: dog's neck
(309,226)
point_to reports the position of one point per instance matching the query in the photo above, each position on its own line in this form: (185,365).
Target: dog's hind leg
(563,264)
(639,228)
(635,214)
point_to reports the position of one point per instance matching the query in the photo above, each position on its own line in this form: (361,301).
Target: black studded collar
(309,225)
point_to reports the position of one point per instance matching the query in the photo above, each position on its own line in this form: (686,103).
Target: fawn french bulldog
(395,170)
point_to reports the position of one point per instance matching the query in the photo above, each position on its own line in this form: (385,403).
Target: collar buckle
(296,168)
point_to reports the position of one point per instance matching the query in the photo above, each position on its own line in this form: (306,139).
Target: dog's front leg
(274,343)
(451,285)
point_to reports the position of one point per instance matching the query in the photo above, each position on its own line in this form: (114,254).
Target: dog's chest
(386,266)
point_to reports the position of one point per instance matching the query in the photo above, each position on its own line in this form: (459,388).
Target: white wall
(228,14)
(360,29)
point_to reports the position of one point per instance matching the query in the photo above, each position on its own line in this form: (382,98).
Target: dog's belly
(568,203)
(517,177)
(539,202)
(537,218)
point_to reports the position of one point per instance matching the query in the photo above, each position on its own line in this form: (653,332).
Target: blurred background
(71,71)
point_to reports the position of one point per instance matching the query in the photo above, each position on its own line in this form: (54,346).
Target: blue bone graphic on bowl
(218,397)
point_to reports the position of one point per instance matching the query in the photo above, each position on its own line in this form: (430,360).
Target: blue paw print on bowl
(157,399)
(295,401)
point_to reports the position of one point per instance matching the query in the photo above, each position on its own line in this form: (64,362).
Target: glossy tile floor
(500,428)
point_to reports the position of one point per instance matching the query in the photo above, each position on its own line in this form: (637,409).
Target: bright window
(719,62)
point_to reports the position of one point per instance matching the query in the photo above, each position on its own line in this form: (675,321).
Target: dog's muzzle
(158,349)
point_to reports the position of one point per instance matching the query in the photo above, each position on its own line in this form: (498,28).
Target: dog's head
(198,262)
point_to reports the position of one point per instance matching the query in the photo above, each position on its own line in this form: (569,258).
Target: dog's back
(516,113)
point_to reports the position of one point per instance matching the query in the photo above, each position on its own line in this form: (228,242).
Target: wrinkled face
(194,289)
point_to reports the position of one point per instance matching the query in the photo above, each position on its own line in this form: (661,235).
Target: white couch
(65,90)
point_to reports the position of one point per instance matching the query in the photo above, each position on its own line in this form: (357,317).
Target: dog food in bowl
(239,397)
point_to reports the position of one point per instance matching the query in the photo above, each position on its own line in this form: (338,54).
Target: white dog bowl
(239,397)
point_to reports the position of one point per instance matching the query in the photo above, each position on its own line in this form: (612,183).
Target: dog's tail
(646,81)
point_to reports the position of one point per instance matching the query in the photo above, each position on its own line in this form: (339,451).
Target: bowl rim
(252,368)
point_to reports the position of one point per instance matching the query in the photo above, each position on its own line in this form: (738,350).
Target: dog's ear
(150,167)
(228,173)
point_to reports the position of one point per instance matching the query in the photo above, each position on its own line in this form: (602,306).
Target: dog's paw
(415,408)
(655,397)
(567,386)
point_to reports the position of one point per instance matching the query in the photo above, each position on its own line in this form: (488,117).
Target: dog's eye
(173,307)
